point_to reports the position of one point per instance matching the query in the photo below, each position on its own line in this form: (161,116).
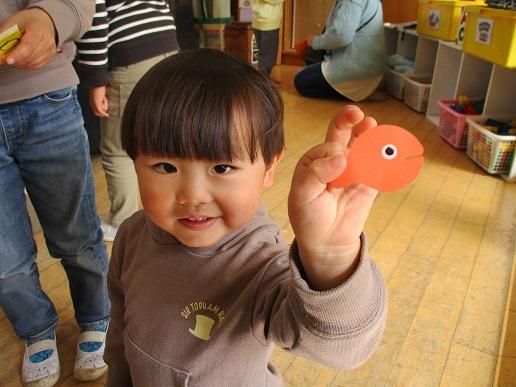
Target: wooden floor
(446,246)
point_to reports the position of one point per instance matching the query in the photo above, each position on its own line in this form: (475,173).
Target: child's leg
(267,42)
(53,163)
(121,178)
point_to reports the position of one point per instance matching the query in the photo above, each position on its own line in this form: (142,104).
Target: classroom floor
(446,246)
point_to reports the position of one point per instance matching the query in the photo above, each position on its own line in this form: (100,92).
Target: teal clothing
(354,55)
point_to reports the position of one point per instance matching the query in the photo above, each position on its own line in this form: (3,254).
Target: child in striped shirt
(126,39)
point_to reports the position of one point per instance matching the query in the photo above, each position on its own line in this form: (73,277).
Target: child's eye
(165,168)
(222,169)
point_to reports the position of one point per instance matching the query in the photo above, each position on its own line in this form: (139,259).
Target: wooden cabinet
(309,17)
(240,42)
(399,11)
(301,18)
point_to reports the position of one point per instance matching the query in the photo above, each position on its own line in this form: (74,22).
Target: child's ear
(269,169)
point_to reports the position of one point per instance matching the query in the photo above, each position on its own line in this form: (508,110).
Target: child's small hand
(99,101)
(38,43)
(327,221)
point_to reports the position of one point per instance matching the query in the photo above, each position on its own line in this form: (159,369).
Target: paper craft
(386,157)
(301,48)
(9,39)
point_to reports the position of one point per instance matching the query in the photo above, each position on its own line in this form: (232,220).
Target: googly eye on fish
(389,151)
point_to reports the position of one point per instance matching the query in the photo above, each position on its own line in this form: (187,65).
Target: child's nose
(193,193)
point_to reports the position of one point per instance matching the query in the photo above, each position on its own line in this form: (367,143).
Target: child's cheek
(151,199)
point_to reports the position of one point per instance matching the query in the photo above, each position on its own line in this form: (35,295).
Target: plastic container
(453,126)
(395,83)
(490,34)
(493,152)
(441,19)
(417,91)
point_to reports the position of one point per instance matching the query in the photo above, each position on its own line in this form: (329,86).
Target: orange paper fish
(386,157)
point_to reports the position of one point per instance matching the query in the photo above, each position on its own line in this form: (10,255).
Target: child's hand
(38,43)
(99,101)
(327,221)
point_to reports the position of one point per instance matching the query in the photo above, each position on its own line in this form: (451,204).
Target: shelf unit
(455,73)
(459,73)
(407,42)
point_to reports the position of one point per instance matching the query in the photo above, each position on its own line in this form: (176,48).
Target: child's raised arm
(328,221)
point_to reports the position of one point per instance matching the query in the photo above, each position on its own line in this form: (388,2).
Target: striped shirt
(124,32)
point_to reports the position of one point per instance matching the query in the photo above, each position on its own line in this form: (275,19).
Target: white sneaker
(42,374)
(109,231)
(90,365)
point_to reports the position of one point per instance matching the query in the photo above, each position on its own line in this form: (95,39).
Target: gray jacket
(71,18)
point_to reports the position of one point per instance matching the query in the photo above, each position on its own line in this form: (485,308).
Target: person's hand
(328,221)
(309,40)
(99,102)
(38,43)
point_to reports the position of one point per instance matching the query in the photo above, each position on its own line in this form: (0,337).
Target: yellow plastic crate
(441,19)
(491,35)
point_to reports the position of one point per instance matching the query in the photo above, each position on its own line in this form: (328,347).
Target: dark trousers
(310,82)
(267,42)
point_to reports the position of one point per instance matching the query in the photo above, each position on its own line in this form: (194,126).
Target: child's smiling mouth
(198,223)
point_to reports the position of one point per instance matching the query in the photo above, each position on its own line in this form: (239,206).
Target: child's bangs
(223,132)
(196,109)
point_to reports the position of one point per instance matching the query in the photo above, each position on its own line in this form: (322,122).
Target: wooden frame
(288,53)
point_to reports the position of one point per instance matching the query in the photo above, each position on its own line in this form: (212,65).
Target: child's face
(200,201)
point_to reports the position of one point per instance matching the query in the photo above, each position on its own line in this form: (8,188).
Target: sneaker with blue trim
(40,366)
(89,363)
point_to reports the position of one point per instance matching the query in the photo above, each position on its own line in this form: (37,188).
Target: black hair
(204,104)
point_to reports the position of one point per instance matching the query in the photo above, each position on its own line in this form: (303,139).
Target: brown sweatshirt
(209,316)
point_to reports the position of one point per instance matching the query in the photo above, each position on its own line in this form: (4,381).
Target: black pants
(267,42)
(310,82)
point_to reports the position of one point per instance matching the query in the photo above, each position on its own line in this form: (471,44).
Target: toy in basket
(493,152)
(453,126)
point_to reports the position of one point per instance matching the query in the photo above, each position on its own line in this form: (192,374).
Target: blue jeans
(310,82)
(44,148)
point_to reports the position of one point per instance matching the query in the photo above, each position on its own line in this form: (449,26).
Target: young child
(266,22)
(201,282)
(126,39)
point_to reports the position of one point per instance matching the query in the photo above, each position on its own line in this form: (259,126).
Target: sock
(92,346)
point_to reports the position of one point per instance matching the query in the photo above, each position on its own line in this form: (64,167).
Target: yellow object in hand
(9,39)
